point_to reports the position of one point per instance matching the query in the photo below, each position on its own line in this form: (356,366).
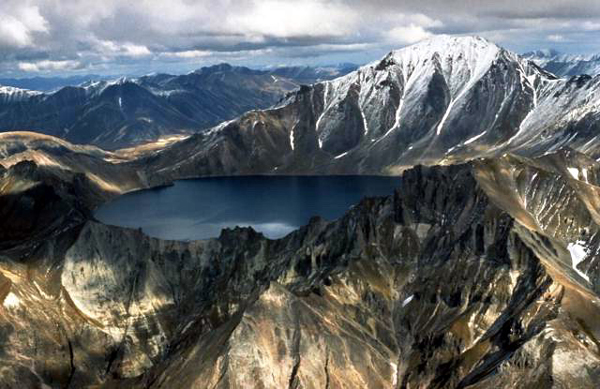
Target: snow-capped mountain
(565,65)
(9,94)
(129,111)
(439,101)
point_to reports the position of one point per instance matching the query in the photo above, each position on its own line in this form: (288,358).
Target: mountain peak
(458,58)
(472,50)
(221,67)
(448,43)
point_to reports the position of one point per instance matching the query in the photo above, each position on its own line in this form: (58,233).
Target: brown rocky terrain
(462,278)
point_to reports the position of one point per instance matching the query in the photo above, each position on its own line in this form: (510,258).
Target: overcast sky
(58,37)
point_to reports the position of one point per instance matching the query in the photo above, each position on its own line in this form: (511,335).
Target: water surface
(273,205)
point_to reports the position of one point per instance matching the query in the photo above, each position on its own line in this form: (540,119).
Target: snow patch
(531,80)
(574,172)
(400,106)
(341,155)
(167,93)
(219,127)
(292,138)
(394,374)
(11,301)
(578,253)
(11,94)
(473,139)
(322,113)
(9,90)
(364,119)
(408,300)
(445,117)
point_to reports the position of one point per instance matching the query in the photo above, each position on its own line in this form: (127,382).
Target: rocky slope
(105,173)
(442,101)
(127,112)
(452,282)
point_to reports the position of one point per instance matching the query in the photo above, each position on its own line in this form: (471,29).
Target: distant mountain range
(126,112)
(49,84)
(310,75)
(565,65)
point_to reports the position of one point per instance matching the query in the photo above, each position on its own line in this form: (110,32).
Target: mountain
(48,84)
(465,277)
(127,112)
(565,65)
(309,75)
(482,270)
(437,102)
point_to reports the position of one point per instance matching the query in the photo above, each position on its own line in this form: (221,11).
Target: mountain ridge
(128,111)
(422,104)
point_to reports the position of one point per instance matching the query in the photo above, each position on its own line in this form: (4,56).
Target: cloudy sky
(61,37)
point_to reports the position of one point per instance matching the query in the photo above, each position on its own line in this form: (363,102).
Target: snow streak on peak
(461,59)
(454,69)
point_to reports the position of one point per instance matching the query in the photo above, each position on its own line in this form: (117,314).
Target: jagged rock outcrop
(444,284)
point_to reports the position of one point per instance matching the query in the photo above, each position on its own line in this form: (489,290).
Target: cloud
(408,35)
(19,24)
(47,65)
(127,49)
(188,54)
(154,35)
(556,38)
(291,19)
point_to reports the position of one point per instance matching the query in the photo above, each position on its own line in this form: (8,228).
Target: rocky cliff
(465,277)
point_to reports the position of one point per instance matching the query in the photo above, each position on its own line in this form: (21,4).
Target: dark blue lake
(273,205)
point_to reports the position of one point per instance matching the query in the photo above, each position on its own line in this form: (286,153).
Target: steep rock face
(438,102)
(443,284)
